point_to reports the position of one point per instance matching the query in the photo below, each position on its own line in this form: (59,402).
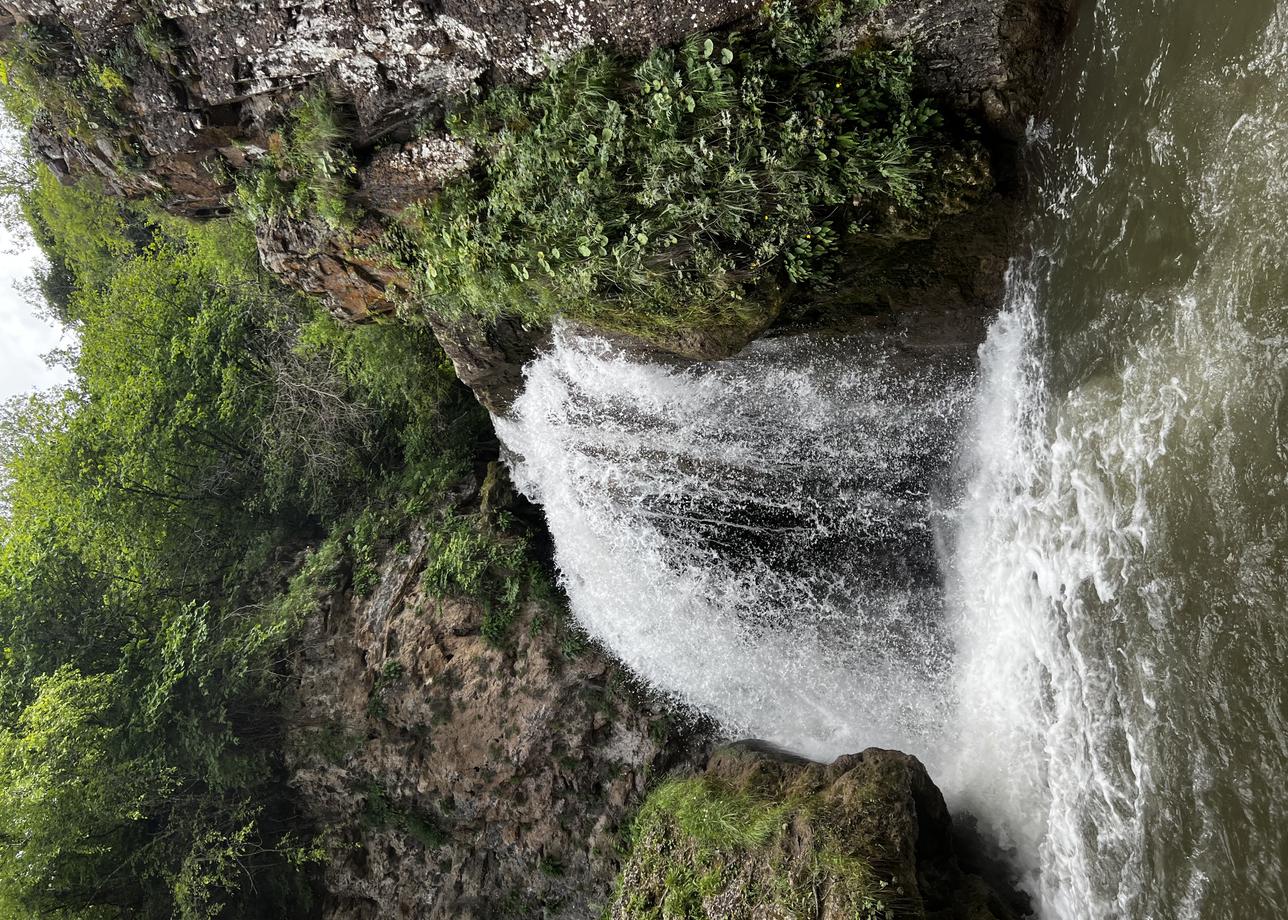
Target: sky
(24,335)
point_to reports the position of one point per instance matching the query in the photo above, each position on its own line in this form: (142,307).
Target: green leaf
(726,57)
(708,48)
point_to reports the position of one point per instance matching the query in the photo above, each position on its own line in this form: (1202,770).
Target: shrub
(468,558)
(380,812)
(681,191)
(144,657)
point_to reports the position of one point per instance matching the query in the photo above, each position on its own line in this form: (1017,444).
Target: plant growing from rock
(307,170)
(468,557)
(682,191)
(44,75)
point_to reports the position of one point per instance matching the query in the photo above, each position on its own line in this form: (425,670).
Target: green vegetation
(229,456)
(682,191)
(714,817)
(307,170)
(389,675)
(468,557)
(153,37)
(379,812)
(149,517)
(43,72)
(698,840)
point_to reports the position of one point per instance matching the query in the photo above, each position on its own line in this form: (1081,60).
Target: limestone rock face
(489,357)
(211,81)
(759,834)
(455,779)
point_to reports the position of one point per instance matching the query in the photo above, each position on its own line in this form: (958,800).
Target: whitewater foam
(753,536)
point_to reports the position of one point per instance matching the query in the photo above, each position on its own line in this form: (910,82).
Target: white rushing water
(1117,583)
(752,536)
(1043,744)
(1061,581)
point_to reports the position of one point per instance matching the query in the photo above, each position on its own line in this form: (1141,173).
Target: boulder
(762,835)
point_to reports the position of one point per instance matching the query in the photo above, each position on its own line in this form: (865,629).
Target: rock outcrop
(209,82)
(759,835)
(209,86)
(205,88)
(457,779)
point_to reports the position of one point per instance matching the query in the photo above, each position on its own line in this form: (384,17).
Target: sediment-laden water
(1063,582)
(1120,576)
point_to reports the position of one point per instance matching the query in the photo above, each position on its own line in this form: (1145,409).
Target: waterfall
(1117,579)
(1059,580)
(754,536)
(1044,742)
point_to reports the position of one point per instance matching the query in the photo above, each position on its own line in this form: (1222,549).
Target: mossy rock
(764,836)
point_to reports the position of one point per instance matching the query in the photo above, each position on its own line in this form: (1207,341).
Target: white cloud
(24,335)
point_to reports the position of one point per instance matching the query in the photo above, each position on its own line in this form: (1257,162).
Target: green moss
(683,192)
(108,78)
(697,842)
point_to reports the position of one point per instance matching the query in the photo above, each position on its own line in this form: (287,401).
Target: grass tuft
(307,171)
(715,816)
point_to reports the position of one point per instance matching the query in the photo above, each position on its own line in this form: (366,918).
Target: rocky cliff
(458,778)
(453,777)
(177,101)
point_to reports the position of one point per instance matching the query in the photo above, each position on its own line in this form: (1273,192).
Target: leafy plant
(389,675)
(42,73)
(469,558)
(682,191)
(307,170)
(146,526)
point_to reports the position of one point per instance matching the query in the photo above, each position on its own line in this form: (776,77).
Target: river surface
(1061,581)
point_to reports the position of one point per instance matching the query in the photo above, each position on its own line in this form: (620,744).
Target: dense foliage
(215,426)
(43,71)
(678,191)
